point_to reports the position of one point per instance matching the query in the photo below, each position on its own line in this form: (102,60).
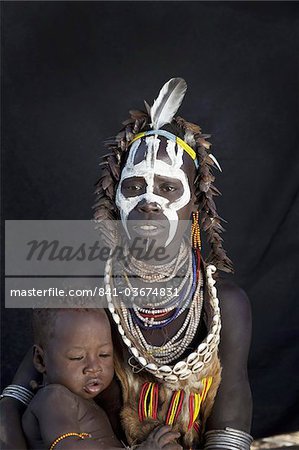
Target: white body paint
(147,169)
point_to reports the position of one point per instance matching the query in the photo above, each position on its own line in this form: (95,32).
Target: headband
(170,137)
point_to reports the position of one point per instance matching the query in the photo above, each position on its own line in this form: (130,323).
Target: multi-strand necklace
(157,359)
(150,273)
(160,314)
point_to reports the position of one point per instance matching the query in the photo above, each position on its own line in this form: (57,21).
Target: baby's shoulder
(53,396)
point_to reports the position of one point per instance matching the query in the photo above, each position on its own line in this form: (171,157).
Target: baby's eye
(76,358)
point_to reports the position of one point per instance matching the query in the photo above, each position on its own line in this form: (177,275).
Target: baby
(74,352)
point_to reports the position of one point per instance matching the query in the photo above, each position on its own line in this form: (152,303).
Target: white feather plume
(168,102)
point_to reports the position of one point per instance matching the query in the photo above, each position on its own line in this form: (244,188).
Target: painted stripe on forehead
(150,152)
(191,152)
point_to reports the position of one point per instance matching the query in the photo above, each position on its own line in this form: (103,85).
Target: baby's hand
(161,438)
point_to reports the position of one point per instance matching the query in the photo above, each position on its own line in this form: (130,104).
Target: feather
(147,106)
(168,102)
(215,161)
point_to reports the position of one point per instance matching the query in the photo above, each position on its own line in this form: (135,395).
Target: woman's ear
(38,359)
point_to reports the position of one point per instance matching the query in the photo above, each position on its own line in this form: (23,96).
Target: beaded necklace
(148,317)
(151,273)
(156,360)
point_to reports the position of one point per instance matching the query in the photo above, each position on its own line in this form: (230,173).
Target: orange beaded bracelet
(66,435)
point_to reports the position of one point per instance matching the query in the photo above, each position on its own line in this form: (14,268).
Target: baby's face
(80,353)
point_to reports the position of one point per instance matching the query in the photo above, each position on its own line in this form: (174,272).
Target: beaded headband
(171,137)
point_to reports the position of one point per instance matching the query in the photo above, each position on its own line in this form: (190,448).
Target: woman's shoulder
(235,319)
(234,302)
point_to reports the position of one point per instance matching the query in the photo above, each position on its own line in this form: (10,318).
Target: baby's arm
(56,410)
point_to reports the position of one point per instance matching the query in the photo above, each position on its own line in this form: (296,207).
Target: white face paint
(147,169)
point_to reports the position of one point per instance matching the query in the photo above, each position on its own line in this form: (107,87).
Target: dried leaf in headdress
(114,167)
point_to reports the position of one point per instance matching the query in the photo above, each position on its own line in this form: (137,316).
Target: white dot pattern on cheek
(147,169)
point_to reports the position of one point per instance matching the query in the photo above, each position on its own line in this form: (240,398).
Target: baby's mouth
(93,386)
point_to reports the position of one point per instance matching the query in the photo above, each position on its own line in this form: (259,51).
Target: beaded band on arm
(229,439)
(18,392)
(66,435)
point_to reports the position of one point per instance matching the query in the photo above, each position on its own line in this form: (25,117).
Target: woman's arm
(11,410)
(11,433)
(233,403)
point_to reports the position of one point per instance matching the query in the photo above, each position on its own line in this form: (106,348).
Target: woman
(183,358)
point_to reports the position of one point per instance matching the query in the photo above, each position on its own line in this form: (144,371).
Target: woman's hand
(161,438)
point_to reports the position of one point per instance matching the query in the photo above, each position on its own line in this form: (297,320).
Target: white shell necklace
(196,361)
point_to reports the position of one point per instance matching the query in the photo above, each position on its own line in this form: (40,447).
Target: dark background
(72,70)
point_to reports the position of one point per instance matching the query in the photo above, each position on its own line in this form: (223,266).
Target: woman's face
(156,190)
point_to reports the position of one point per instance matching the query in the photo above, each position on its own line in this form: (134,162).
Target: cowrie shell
(211,282)
(207,358)
(142,360)
(214,328)
(214,292)
(185,375)
(111,307)
(171,378)
(192,359)
(134,352)
(216,304)
(210,337)
(152,367)
(165,370)
(216,318)
(202,349)
(121,330)
(127,341)
(198,367)
(116,318)
(180,367)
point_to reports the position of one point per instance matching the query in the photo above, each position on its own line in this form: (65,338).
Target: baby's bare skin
(55,411)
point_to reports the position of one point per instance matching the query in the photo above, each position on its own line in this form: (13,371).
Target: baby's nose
(93,366)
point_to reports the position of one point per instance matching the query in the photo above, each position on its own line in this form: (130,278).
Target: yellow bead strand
(66,435)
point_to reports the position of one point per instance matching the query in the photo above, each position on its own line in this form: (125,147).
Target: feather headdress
(162,113)
(168,102)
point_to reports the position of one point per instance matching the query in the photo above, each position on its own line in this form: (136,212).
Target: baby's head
(73,347)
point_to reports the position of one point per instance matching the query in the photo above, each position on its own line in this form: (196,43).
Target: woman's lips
(148,229)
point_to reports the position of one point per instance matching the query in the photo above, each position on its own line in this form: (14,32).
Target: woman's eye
(105,355)
(167,188)
(133,187)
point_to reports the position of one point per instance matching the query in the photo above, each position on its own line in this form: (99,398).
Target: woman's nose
(147,207)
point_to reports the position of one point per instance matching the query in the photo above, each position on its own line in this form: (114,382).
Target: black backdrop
(72,70)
